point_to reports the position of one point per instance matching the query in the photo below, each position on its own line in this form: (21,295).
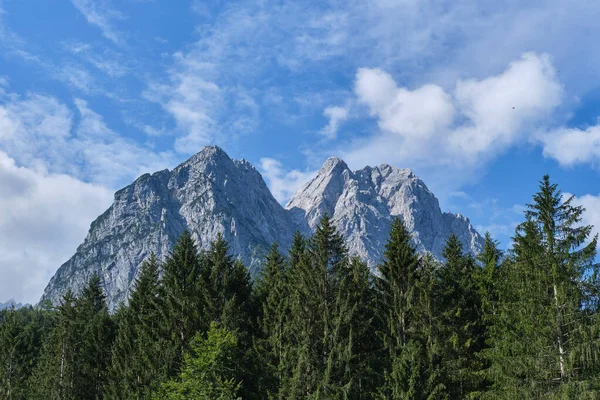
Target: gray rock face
(208,194)
(363,204)
(211,193)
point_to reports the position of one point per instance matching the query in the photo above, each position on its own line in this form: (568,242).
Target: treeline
(316,324)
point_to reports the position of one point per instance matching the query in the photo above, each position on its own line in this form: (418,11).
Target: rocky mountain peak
(211,193)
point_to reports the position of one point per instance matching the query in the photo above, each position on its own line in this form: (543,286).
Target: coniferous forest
(317,324)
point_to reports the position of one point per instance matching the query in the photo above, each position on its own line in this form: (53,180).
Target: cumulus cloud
(283,182)
(479,118)
(417,113)
(571,146)
(49,216)
(337,115)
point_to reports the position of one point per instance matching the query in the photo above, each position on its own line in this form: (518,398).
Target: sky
(480,98)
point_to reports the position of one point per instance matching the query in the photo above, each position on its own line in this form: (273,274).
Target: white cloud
(416,114)
(337,115)
(571,146)
(283,183)
(49,215)
(98,14)
(430,127)
(500,108)
(591,216)
(38,131)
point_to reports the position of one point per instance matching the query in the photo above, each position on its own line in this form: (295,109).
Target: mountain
(210,193)
(11,303)
(364,203)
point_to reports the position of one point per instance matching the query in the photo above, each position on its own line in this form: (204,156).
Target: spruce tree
(540,341)
(462,329)
(397,308)
(272,296)
(54,375)
(138,354)
(182,299)
(93,345)
(320,338)
(227,285)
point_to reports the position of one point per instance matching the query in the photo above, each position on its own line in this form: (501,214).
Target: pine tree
(364,345)
(54,375)
(208,370)
(93,346)
(272,296)
(489,259)
(321,312)
(462,329)
(228,287)
(540,337)
(228,299)
(138,354)
(397,305)
(183,299)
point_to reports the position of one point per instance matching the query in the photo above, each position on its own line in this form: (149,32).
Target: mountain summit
(210,193)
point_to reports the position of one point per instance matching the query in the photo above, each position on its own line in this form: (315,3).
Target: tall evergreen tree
(397,311)
(539,346)
(228,302)
(272,296)
(320,346)
(54,375)
(363,362)
(462,329)
(227,287)
(183,299)
(96,335)
(138,354)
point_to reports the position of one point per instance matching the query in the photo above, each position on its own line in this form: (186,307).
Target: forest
(318,324)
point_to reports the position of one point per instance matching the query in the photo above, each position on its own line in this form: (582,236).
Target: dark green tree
(54,374)
(321,313)
(138,354)
(94,342)
(271,290)
(540,341)
(397,302)
(460,313)
(182,299)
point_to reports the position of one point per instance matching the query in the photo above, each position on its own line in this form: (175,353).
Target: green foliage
(138,354)
(398,309)
(208,370)
(542,334)
(318,325)
(183,300)
(460,316)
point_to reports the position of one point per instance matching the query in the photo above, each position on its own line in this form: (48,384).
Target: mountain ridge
(211,193)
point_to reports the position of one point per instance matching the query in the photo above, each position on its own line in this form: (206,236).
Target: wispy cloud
(337,115)
(38,131)
(100,15)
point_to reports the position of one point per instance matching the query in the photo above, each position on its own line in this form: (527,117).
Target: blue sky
(479,98)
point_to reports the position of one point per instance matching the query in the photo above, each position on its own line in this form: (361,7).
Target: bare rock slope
(211,193)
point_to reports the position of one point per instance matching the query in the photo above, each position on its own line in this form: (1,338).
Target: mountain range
(211,193)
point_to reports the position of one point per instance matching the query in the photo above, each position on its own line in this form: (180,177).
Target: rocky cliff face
(364,203)
(208,194)
(211,193)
